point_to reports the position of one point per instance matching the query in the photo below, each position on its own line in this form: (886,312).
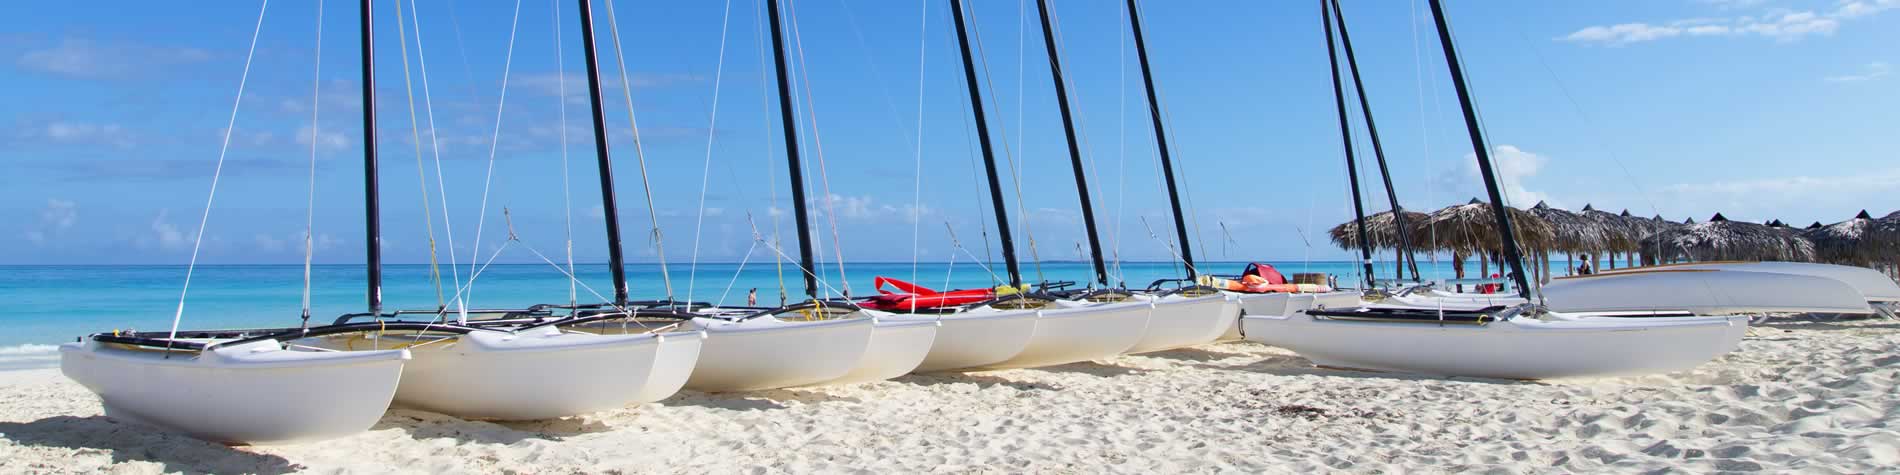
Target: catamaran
(1515,342)
(234,386)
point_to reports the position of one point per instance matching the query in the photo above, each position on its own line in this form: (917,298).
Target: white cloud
(85,59)
(267,243)
(1777,24)
(68,132)
(1514,167)
(1868,72)
(165,234)
(55,219)
(323,138)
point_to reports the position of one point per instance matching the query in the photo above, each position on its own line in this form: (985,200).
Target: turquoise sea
(48,305)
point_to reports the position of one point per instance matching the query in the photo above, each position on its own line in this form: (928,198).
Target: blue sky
(115,111)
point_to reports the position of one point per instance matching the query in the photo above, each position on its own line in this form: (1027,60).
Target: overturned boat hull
(1703,292)
(1179,321)
(256,393)
(770,353)
(1872,285)
(1515,348)
(1076,332)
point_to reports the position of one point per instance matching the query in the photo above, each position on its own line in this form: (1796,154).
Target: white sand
(1808,397)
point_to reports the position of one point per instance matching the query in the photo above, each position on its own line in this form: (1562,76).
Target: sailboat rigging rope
(639,150)
(310,218)
(818,146)
(1121,146)
(760,238)
(1169,244)
(567,198)
(705,177)
(959,245)
(736,274)
(765,119)
(1015,169)
(1187,192)
(216,172)
(1424,129)
(415,137)
(1081,126)
(435,150)
(917,181)
(494,143)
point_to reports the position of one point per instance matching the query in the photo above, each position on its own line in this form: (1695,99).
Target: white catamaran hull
(1255,304)
(1703,292)
(1082,332)
(898,344)
(252,394)
(1180,321)
(1518,348)
(1872,285)
(977,338)
(769,353)
(1276,304)
(672,364)
(538,374)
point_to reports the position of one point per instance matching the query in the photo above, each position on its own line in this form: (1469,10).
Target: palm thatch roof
(1721,239)
(1471,227)
(1688,220)
(1816,225)
(1648,227)
(1382,230)
(1571,232)
(1621,234)
(1848,242)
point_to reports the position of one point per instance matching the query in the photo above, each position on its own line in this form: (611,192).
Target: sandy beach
(1811,397)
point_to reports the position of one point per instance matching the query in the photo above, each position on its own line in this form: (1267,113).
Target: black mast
(1161,138)
(1345,135)
(989,156)
(615,262)
(1075,151)
(372,216)
(1483,152)
(789,119)
(1378,151)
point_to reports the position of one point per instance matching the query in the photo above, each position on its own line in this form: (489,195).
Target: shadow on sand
(428,425)
(1297,366)
(133,442)
(762,400)
(981,380)
(1197,354)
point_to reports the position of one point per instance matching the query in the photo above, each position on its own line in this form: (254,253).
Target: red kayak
(909,297)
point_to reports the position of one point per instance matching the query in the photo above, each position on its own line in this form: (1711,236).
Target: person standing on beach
(1584,268)
(752,297)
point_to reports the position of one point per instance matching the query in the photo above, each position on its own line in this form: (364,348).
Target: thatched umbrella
(1688,220)
(1721,239)
(1849,242)
(1622,236)
(1817,224)
(1381,229)
(1571,232)
(1471,228)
